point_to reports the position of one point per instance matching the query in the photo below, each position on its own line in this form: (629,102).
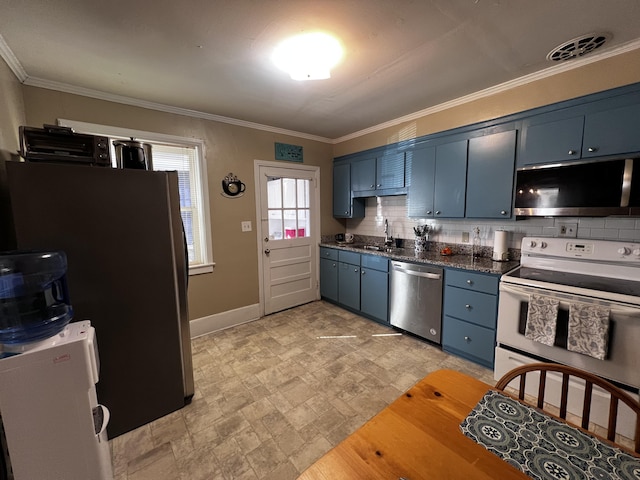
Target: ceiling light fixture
(309,56)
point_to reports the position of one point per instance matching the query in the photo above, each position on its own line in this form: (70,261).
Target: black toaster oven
(62,145)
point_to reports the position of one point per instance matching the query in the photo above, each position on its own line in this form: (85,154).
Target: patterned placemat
(541,446)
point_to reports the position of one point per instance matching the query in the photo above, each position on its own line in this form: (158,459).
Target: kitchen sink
(375,248)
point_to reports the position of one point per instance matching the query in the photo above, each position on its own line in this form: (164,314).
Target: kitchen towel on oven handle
(542,318)
(588,329)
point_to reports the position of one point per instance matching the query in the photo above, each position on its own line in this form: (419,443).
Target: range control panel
(593,250)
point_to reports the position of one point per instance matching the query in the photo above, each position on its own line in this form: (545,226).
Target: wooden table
(417,437)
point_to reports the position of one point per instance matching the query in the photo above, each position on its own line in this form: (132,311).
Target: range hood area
(589,189)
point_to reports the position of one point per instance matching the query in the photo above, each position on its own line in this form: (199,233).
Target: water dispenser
(34,300)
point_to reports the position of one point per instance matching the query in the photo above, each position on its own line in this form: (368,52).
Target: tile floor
(274,395)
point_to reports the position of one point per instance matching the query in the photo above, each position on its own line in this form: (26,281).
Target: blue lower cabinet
(468,340)
(374,294)
(357,282)
(469,314)
(349,285)
(329,279)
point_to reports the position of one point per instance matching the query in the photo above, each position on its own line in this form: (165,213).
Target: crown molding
(87,92)
(542,74)
(12,61)
(23,77)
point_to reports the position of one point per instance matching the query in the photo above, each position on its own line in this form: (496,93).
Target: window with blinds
(184,160)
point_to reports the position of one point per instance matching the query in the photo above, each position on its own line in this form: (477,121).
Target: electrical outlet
(465,237)
(246,226)
(569,230)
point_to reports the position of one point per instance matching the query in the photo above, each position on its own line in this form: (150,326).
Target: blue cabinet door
(490,175)
(450,179)
(551,141)
(344,206)
(390,171)
(349,285)
(374,294)
(421,191)
(329,279)
(612,132)
(363,174)
(342,190)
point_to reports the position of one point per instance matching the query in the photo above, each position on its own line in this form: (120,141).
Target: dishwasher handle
(416,273)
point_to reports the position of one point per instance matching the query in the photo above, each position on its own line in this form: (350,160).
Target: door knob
(267,251)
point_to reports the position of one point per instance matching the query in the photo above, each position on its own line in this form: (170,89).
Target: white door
(288,234)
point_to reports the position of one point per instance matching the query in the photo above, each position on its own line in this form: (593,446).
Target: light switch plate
(246,226)
(465,237)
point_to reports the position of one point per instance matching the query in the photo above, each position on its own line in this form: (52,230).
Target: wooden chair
(590,380)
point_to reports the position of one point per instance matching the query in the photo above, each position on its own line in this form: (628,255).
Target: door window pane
(288,207)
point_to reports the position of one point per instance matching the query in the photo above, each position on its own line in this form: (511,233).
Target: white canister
(500,248)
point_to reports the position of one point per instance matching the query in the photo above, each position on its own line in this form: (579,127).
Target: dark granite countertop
(467,262)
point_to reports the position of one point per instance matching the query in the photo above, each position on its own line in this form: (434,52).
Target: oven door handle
(523,292)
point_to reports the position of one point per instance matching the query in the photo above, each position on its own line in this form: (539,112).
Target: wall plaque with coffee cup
(232,187)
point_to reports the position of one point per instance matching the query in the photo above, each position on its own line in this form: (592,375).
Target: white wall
(394,209)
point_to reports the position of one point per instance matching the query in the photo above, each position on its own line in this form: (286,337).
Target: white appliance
(54,426)
(575,271)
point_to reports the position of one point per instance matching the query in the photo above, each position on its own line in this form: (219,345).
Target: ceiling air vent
(578,47)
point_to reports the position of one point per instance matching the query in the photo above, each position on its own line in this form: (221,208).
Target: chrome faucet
(388,239)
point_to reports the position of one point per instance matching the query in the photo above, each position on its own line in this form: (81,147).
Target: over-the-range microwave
(593,188)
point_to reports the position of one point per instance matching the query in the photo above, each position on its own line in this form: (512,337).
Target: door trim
(315,220)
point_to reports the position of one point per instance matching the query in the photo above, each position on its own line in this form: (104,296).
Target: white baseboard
(220,321)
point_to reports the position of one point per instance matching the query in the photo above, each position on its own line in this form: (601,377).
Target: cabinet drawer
(472,281)
(375,262)
(468,339)
(474,307)
(329,253)
(349,257)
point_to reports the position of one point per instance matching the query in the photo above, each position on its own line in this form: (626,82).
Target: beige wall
(11,117)
(613,72)
(228,148)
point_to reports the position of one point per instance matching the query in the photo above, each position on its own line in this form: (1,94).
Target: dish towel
(542,317)
(588,330)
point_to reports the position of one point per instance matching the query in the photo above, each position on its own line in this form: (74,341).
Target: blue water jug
(34,301)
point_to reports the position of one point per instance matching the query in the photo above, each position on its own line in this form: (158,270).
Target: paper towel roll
(500,249)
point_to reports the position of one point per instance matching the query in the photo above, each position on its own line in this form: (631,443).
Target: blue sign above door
(291,153)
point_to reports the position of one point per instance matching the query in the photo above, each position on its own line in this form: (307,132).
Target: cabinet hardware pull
(572,152)
(361,272)
(437,212)
(592,149)
(371,186)
(467,339)
(467,306)
(378,185)
(503,212)
(429,212)
(469,282)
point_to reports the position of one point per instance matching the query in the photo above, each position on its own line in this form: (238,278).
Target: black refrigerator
(127,274)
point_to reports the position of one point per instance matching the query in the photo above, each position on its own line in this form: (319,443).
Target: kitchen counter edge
(465,262)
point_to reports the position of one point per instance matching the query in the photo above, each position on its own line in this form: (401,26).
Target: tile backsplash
(394,209)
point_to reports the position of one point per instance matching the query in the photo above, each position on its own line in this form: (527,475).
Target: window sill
(200,269)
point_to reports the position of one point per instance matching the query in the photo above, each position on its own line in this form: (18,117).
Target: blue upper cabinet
(555,140)
(490,170)
(438,181)
(450,180)
(612,132)
(363,174)
(344,206)
(378,175)
(596,129)
(390,171)
(421,192)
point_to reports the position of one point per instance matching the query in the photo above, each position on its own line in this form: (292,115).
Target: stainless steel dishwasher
(416,299)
